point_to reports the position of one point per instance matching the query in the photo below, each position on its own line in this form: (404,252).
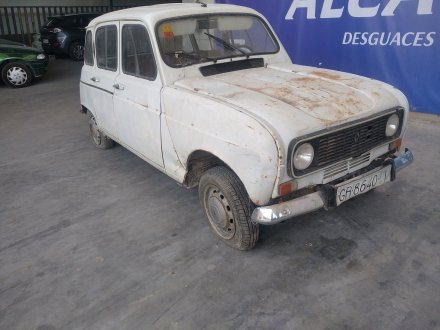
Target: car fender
(194,122)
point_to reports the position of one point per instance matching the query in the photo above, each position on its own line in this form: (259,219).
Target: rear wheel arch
(99,139)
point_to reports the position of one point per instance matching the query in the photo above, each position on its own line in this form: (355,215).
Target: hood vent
(214,69)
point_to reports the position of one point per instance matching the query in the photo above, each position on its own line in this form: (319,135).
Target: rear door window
(106,44)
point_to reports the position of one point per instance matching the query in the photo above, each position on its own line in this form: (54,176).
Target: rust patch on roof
(326,75)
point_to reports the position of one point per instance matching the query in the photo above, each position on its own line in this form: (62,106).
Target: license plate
(45,41)
(362,184)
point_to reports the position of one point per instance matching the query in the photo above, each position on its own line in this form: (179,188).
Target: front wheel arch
(198,162)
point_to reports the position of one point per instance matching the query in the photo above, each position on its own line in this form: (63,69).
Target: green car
(20,64)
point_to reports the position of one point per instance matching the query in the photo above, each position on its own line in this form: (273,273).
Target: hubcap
(78,52)
(96,136)
(219,213)
(16,76)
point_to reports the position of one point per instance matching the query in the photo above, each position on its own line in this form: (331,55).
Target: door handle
(94,79)
(119,86)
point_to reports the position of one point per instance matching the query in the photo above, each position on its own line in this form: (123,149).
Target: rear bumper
(272,214)
(55,45)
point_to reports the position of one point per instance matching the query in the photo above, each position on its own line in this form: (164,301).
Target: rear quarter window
(88,52)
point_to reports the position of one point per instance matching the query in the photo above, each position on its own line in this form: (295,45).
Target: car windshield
(193,40)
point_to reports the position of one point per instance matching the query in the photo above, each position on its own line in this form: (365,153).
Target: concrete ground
(94,239)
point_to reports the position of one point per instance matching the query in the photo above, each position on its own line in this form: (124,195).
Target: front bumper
(39,67)
(272,214)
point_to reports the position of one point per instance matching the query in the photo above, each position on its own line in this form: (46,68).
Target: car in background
(20,64)
(64,35)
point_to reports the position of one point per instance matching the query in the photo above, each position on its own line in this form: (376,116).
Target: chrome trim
(272,214)
(102,89)
(346,165)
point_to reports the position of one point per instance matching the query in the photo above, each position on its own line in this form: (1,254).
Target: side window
(137,54)
(88,52)
(107,47)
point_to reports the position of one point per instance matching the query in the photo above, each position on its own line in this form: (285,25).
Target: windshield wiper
(181,53)
(227,44)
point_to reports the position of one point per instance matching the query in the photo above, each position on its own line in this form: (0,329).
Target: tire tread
(231,185)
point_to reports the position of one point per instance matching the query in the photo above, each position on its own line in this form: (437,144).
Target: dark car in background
(64,35)
(20,64)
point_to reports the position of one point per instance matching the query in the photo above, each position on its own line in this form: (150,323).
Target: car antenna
(202,3)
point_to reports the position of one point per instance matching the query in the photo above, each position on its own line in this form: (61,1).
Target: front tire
(16,75)
(228,208)
(99,139)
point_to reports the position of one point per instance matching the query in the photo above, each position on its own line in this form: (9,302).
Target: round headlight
(41,56)
(392,125)
(303,156)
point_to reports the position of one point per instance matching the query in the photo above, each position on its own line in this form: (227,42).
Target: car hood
(296,100)
(7,48)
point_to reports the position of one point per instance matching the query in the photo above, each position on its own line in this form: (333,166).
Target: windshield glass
(193,40)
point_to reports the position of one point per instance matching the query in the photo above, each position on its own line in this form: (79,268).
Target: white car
(208,95)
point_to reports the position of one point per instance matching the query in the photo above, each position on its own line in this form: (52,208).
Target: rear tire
(16,75)
(76,51)
(228,208)
(99,139)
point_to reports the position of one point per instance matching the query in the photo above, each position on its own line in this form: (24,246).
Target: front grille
(346,143)
(351,142)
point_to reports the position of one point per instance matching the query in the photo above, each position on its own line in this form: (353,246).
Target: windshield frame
(263,21)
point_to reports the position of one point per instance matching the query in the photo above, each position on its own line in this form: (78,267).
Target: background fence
(19,23)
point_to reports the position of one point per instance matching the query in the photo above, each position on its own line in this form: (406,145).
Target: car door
(137,94)
(103,75)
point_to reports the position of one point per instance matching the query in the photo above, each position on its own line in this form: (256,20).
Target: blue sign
(396,41)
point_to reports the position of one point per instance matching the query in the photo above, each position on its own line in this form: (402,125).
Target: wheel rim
(17,76)
(96,136)
(220,213)
(78,52)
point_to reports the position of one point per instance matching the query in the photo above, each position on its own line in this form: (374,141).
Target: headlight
(41,56)
(303,156)
(392,125)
